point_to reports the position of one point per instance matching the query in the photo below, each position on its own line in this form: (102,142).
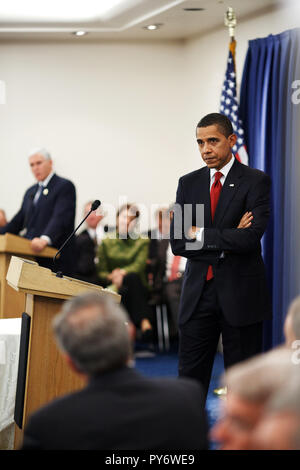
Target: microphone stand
(94,206)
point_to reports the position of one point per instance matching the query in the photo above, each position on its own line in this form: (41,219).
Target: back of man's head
(92,330)
(256,379)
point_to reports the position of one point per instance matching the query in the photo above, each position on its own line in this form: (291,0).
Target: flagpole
(230,22)
(229,102)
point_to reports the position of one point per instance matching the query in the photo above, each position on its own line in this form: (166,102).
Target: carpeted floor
(165,365)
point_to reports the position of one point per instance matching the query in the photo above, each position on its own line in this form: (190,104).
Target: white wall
(110,114)
(118,118)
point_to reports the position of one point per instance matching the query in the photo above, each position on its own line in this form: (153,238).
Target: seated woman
(122,258)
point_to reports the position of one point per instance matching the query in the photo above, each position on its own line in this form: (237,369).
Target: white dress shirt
(225,170)
(44,184)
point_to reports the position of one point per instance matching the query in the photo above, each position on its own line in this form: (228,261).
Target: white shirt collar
(46,180)
(225,170)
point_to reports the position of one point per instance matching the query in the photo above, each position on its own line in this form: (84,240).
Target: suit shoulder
(190,177)
(62,181)
(254,173)
(183,388)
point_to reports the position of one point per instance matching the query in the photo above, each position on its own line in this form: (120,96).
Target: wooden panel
(11,302)
(14,244)
(27,276)
(48,375)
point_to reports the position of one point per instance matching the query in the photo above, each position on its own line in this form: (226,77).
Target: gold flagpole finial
(230,21)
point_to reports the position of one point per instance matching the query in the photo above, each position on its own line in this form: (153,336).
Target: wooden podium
(12,302)
(47,374)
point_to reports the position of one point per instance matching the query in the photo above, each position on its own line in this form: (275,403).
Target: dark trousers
(172,292)
(199,337)
(134,297)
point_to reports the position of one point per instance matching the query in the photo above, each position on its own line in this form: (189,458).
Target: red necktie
(174,268)
(214,197)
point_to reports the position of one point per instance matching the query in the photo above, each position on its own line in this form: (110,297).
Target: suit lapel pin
(231,185)
(46,191)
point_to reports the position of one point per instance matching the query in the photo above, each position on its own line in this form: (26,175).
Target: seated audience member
(279,427)
(119,409)
(3,220)
(122,260)
(86,245)
(47,213)
(292,323)
(166,269)
(250,384)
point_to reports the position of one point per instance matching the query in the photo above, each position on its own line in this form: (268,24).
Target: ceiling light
(79,33)
(153,27)
(57,10)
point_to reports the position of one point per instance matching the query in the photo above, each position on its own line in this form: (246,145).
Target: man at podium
(47,213)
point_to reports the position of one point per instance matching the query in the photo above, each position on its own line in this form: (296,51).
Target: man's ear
(232,140)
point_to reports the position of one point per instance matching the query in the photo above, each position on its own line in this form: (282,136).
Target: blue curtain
(271,125)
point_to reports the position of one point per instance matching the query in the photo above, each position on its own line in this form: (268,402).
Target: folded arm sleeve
(216,240)
(248,239)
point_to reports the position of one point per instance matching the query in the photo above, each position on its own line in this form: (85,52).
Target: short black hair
(217,119)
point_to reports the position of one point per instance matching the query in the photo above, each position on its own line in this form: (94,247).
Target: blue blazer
(235,254)
(53,215)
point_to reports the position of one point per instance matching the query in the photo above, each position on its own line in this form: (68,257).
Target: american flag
(229,106)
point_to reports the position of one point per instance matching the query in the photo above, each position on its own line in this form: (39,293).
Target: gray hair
(294,313)
(287,397)
(93,330)
(41,151)
(287,400)
(256,379)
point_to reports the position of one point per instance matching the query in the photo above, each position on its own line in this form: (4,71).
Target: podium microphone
(94,206)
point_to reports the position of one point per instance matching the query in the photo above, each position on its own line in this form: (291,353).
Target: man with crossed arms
(224,289)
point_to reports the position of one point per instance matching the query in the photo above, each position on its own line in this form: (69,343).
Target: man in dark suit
(165,270)
(86,245)
(119,408)
(47,213)
(224,289)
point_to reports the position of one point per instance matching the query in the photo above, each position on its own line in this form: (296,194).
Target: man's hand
(38,244)
(245,221)
(192,232)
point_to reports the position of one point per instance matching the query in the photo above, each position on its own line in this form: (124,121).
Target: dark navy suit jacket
(53,215)
(123,410)
(235,254)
